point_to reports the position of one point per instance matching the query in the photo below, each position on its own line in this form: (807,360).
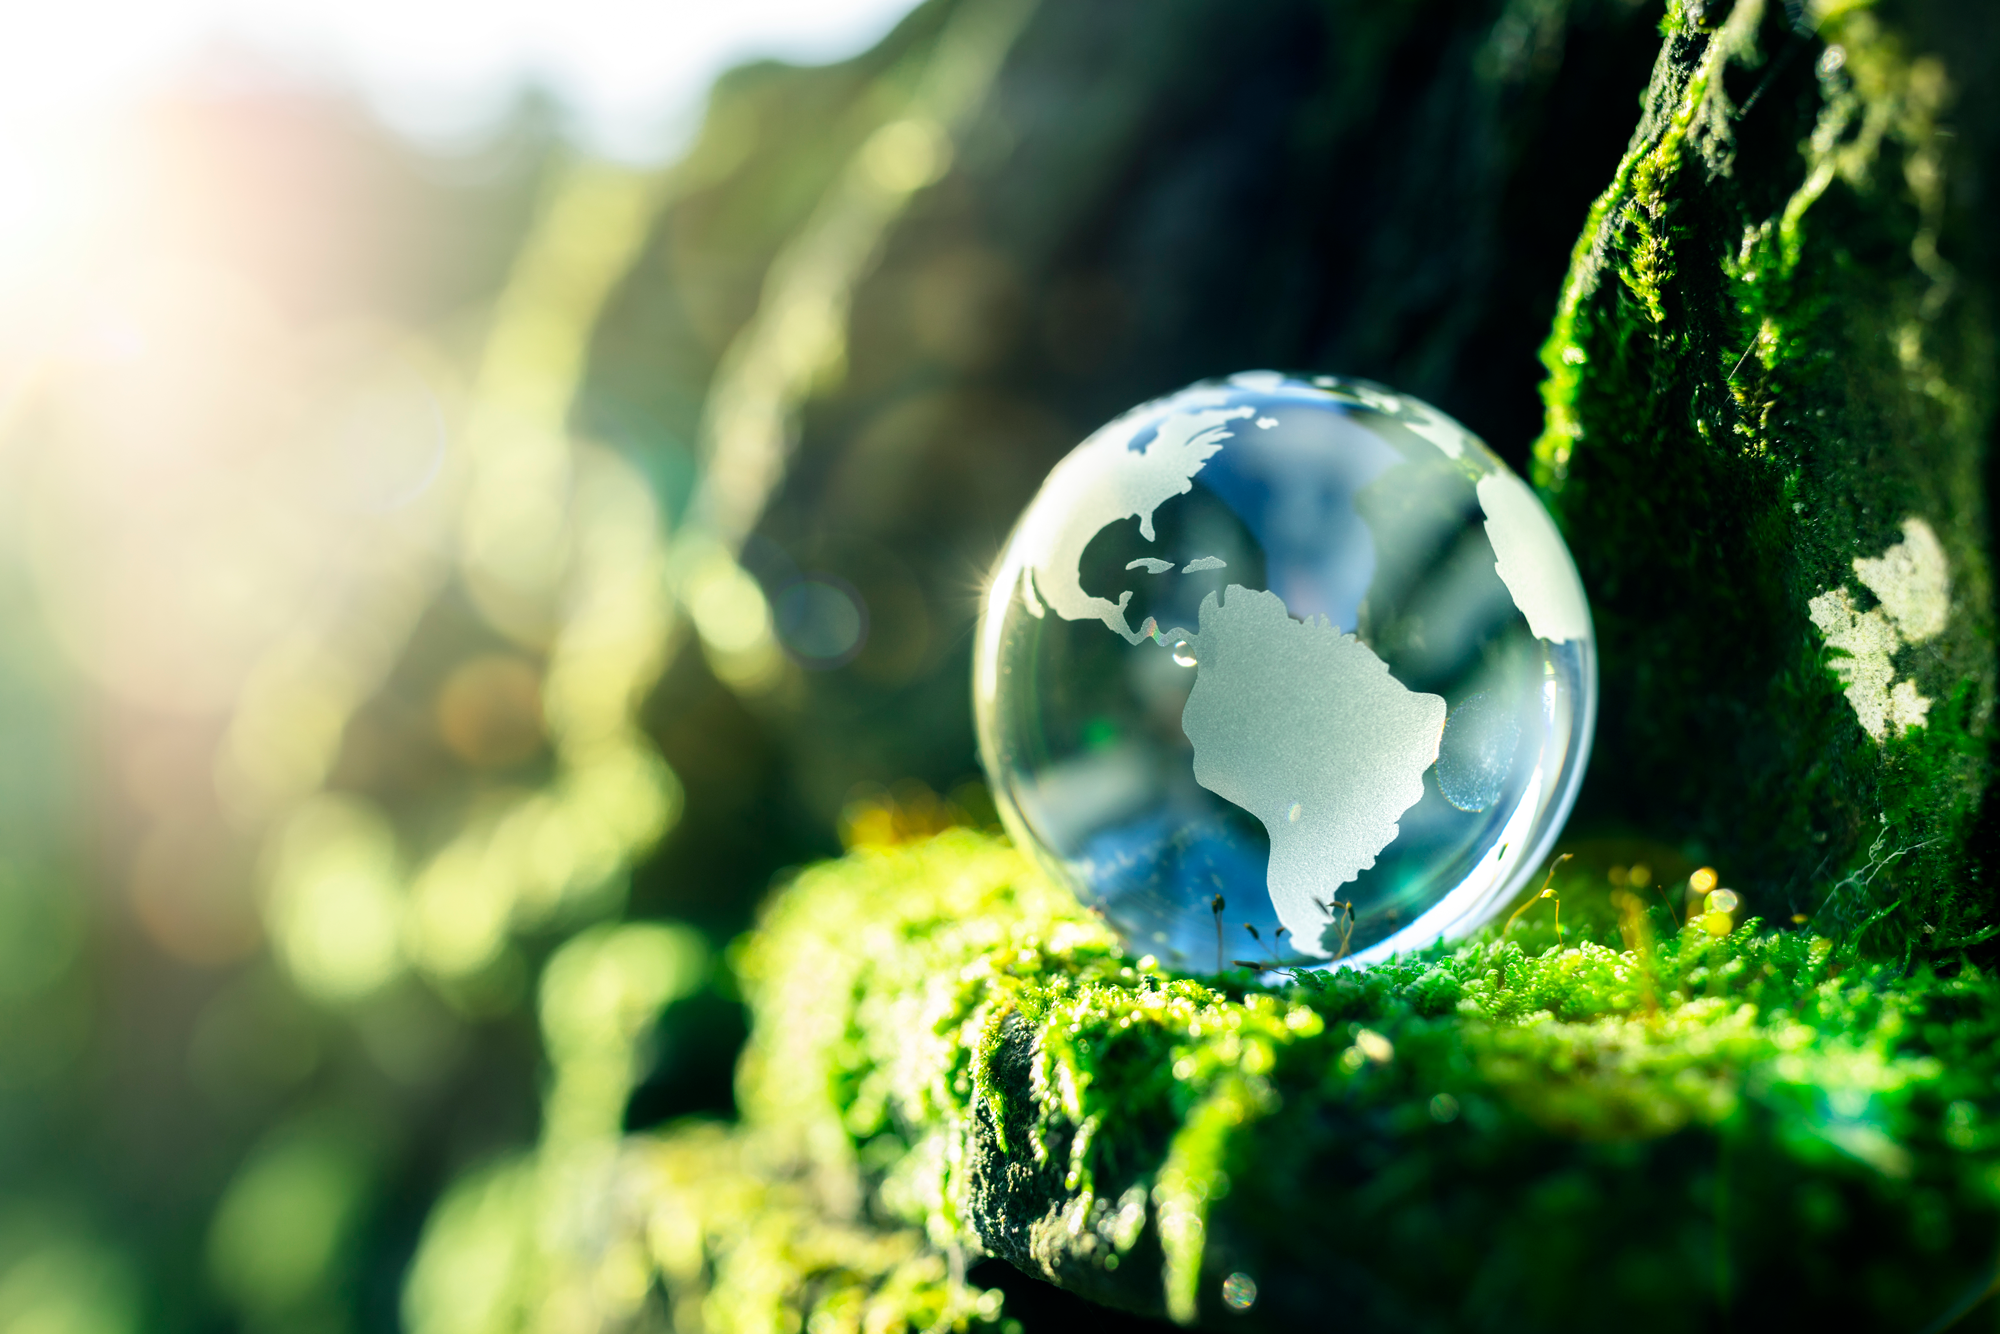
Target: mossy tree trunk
(1770,393)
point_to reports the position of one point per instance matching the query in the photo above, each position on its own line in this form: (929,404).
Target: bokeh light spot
(191,890)
(54,1279)
(906,155)
(822,622)
(728,608)
(489,711)
(275,1236)
(377,440)
(335,900)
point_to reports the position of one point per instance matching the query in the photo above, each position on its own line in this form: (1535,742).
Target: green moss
(1761,366)
(952,1059)
(1516,1131)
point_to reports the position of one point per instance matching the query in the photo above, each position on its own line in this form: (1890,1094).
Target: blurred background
(484,489)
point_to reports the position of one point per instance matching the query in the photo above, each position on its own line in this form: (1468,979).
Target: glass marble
(1285,670)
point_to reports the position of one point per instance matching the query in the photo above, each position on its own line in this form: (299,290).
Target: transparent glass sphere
(1285,670)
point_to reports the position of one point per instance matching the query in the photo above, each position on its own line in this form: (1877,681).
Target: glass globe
(1285,670)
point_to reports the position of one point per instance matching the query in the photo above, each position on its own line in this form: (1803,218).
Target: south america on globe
(1285,670)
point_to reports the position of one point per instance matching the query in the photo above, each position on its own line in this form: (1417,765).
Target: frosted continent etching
(1110,481)
(1531,559)
(1303,727)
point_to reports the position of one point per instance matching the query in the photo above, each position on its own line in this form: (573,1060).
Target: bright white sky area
(633,71)
(192,229)
(632,74)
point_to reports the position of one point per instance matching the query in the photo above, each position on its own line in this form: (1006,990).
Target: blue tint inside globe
(1284,670)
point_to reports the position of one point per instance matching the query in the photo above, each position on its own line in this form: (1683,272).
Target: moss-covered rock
(1501,1135)
(951,1059)
(1770,393)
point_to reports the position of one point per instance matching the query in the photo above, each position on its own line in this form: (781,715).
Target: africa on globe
(1285,670)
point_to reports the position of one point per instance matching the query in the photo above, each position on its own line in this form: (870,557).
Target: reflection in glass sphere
(1281,669)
